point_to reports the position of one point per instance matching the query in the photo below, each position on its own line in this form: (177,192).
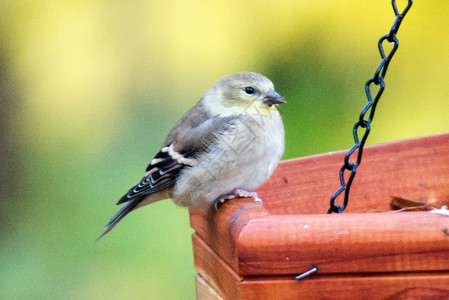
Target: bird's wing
(161,173)
(191,136)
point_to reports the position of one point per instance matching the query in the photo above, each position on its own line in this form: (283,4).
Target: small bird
(224,147)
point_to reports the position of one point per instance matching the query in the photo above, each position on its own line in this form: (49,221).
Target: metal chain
(364,124)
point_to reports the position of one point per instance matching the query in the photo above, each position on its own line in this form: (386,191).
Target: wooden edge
(403,286)
(214,271)
(346,243)
(220,229)
(204,291)
(416,169)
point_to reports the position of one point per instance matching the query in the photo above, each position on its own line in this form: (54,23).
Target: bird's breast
(242,157)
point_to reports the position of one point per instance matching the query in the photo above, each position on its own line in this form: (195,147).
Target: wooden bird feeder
(246,251)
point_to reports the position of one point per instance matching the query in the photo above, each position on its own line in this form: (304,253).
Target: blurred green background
(89,89)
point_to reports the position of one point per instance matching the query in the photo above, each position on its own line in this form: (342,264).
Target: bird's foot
(245,194)
(237,193)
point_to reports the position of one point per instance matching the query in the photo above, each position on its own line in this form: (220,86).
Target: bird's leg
(237,193)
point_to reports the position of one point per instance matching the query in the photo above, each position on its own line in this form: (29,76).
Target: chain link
(364,122)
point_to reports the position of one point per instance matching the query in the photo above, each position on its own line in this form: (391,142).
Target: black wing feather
(165,177)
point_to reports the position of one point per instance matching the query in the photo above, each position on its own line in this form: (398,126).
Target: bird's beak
(272,97)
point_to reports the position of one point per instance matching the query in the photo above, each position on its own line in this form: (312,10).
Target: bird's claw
(237,193)
(220,200)
(246,194)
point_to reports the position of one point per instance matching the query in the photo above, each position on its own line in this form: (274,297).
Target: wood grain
(414,169)
(220,230)
(347,243)
(387,286)
(204,291)
(217,273)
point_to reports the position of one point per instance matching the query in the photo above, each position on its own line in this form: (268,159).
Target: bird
(224,147)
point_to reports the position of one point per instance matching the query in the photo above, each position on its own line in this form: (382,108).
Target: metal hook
(305,274)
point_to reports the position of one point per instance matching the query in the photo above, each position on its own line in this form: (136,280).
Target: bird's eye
(249,90)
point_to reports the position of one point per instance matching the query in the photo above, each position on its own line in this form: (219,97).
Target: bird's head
(242,91)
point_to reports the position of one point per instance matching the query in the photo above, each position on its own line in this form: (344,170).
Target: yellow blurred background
(89,89)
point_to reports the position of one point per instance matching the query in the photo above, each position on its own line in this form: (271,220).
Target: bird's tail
(129,206)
